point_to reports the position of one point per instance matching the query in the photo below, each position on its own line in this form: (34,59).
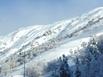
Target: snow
(24,39)
(17,76)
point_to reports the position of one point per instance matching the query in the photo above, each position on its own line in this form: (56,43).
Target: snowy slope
(43,43)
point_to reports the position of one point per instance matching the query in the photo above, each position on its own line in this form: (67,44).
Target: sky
(21,13)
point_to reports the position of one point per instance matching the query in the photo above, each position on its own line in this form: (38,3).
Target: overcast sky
(19,13)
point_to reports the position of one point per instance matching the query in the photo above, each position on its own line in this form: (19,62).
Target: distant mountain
(40,44)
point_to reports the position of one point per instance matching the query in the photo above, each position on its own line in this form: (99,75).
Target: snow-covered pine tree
(77,71)
(64,70)
(58,68)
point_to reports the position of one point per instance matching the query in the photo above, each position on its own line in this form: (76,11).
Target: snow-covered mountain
(40,44)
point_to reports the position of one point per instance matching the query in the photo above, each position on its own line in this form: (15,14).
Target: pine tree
(64,68)
(77,72)
(59,68)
